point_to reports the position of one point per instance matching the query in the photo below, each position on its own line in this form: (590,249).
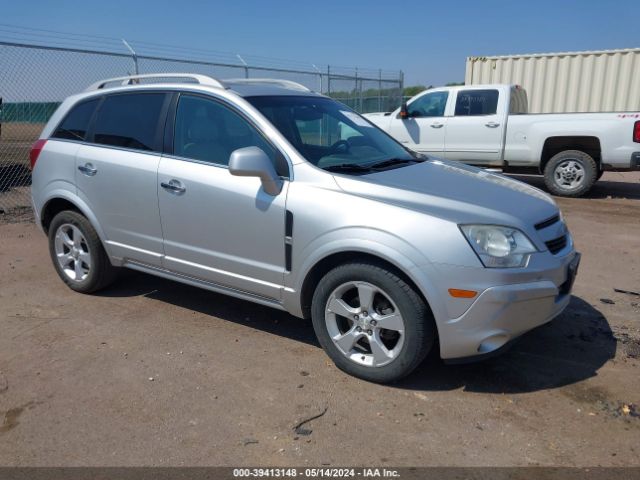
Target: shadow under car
(567,350)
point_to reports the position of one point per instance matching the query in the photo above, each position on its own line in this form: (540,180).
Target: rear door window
(130,121)
(76,123)
(476,102)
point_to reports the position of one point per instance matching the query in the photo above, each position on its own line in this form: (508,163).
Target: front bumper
(502,313)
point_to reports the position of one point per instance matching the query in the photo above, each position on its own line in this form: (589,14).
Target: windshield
(330,135)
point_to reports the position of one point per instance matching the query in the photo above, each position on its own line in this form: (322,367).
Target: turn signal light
(457,293)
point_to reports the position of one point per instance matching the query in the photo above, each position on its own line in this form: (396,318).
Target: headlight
(499,247)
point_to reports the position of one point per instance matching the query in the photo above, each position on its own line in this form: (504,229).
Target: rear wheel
(571,173)
(371,323)
(77,253)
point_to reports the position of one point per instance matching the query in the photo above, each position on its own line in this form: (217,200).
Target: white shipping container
(603,81)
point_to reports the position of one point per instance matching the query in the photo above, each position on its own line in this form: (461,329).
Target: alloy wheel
(365,324)
(72,252)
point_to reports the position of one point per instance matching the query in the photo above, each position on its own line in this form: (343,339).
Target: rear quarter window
(76,123)
(518,103)
(130,121)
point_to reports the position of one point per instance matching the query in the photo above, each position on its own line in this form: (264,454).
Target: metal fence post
(356,92)
(246,66)
(380,90)
(319,76)
(133,54)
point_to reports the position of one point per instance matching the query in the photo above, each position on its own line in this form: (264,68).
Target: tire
(77,253)
(571,173)
(599,175)
(391,296)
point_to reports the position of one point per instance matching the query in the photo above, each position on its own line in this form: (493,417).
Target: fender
(405,258)
(80,205)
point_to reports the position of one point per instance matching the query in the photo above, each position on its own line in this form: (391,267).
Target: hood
(376,114)
(455,192)
(381,119)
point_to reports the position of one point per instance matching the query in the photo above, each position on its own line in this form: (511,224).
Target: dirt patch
(631,345)
(625,411)
(583,393)
(12,416)
(14,175)
(20,131)
(4,383)
(16,215)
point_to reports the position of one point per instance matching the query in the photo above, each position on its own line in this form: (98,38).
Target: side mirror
(253,162)
(404,112)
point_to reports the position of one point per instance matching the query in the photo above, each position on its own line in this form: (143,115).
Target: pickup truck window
(518,102)
(429,105)
(476,102)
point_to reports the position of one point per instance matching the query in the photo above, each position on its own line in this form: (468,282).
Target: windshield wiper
(392,162)
(367,167)
(347,167)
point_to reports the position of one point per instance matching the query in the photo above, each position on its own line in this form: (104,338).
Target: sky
(428,40)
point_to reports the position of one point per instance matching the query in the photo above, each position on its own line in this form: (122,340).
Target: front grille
(548,222)
(556,244)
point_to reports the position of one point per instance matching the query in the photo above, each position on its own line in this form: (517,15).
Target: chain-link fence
(34,79)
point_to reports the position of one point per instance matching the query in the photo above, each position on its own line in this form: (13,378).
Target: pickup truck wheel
(571,173)
(371,323)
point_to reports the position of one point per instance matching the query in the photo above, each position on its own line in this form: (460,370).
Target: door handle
(492,124)
(437,125)
(88,169)
(174,186)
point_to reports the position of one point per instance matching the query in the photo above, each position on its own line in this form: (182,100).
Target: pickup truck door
(475,132)
(424,130)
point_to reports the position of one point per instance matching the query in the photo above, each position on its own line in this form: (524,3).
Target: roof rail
(269,81)
(133,79)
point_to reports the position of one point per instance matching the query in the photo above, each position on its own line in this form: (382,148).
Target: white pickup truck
(488,125)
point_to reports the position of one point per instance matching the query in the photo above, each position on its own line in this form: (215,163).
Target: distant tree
(414,90)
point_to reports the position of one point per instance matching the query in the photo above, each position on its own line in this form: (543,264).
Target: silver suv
(266,191)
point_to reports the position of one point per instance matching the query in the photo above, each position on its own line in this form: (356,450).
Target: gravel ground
(151,372)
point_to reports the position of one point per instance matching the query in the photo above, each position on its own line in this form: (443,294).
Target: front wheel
(371,323)
(571,173)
